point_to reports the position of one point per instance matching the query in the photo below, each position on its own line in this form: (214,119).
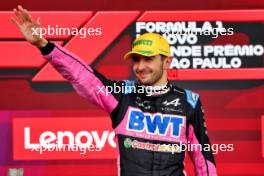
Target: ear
(167,62)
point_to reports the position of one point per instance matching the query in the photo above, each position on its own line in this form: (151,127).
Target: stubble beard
(156,76)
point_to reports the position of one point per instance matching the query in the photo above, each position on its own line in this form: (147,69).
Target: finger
(18,15)
(15,22)
(21,12)
(20,8)
(28,16)
(38,22)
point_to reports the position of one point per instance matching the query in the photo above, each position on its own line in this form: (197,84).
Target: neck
(158,88)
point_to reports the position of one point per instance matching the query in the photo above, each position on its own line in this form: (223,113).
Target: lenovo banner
(63,138)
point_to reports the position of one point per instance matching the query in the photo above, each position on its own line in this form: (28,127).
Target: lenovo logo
(82,139)
(63,138)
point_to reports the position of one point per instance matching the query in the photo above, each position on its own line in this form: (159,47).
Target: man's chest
(155,119)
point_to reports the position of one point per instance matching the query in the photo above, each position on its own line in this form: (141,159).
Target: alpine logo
(175,102)
(154,124)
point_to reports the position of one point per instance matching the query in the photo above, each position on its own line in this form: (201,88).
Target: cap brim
(142,53)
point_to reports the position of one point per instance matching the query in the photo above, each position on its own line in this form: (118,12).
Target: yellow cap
(149,44)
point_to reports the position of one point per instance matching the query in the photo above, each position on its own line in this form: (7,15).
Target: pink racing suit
(151,130)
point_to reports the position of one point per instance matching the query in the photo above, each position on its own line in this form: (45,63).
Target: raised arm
(85,80)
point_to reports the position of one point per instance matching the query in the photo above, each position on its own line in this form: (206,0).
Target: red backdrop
(233,108)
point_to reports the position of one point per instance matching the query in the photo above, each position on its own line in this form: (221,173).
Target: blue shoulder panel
(192,98)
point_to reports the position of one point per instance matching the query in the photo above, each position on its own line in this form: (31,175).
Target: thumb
(38,22)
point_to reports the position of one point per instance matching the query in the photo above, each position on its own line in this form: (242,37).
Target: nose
(141,64)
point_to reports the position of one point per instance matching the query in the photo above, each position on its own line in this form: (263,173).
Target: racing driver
(152,118)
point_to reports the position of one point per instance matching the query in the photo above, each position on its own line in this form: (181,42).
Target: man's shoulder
(190,96)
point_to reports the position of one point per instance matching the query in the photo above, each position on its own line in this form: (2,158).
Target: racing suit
(149,129)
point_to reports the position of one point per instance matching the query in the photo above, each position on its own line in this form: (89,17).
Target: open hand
(29,27)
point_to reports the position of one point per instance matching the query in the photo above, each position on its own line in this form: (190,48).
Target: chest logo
(175,102)
(155,124)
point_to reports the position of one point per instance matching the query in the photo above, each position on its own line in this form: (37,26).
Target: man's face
(148,70)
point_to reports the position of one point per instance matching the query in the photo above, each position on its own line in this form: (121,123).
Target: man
(153,120)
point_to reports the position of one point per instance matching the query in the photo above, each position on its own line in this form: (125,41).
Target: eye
(135,59)
(149,59)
